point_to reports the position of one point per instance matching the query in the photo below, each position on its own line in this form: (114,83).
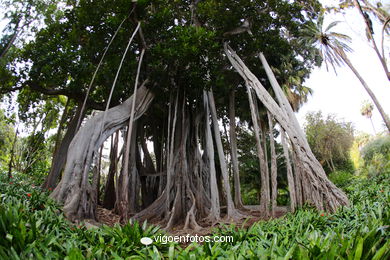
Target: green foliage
(380,145)
(6,137)
(376,156)
(249,167)
(330,140)
(358,232)
(341,178)
(360,140)
(32,226)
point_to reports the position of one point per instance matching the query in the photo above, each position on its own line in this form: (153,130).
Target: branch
(5,91)
(77,96)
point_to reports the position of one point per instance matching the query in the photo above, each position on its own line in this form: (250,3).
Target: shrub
(376,156)
(380,145)
(341,178)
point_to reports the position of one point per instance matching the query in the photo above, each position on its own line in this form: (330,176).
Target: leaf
(359,249)
(9,237)
(382,251)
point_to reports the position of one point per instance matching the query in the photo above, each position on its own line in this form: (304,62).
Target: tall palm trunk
(372,124)
(366,87)
(371,37)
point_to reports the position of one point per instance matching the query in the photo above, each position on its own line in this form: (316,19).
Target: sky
(342,94)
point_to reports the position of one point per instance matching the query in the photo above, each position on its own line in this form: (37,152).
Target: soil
(108,217)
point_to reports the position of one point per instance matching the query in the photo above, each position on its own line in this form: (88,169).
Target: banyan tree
(165,74)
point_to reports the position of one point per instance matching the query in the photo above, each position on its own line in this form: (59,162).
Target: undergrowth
(32,226)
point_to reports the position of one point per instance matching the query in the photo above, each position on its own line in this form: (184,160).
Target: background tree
(376,156)
(366,111)
(7,133)
(330,139)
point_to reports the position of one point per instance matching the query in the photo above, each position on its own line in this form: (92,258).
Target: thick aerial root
(190,222)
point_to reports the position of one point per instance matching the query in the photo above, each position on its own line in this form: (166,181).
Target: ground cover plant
(33,226)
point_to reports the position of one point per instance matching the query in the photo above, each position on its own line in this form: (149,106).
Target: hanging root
(190,222)
(318,188)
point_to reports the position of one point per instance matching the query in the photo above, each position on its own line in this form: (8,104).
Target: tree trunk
(231,210)
(332,197)
(9,44)
(370,37)
(59,158)
(372,124)
(233,150)
(264,198)
(61,126)
(109,191)
(12,154)
(274,183)
(72,191)
(148,172)
(368,89)
(215,207)
(290,177)
(97,69)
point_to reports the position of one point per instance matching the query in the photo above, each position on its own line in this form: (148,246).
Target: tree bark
(59,158)
(109,191)
(231,210)
(274,183)
(264,197)
(331,196)
(290,177)
(12,154)
(82,148)
(215,207)
(233,150)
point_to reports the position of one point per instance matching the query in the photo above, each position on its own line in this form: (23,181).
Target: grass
(33,226)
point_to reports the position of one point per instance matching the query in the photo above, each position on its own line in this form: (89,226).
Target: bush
(376,157)
(341,178)
(380,145)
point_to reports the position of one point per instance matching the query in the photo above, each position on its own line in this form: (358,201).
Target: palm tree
(366,111)
(333,47)
(296,93)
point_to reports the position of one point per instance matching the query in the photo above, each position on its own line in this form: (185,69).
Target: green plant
(380,145)
(376,156)
(341,178)
(360,231)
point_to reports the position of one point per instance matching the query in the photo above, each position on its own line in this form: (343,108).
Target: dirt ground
(107,217)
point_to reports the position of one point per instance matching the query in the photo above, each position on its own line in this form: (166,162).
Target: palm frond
(331,25)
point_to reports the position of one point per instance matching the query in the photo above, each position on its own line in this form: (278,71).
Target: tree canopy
(164,72)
